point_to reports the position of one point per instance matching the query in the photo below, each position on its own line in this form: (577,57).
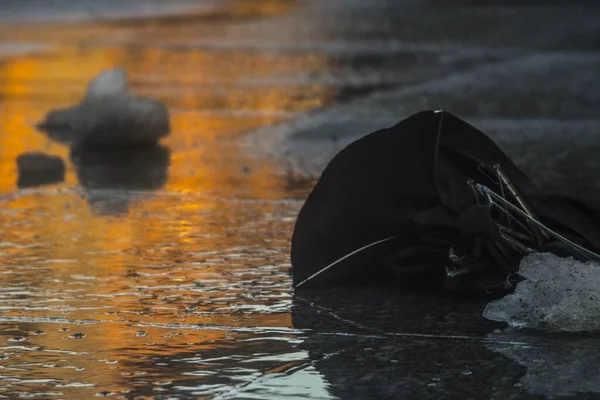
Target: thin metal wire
(497,198)
(514,233)
(339,260)
(539,235)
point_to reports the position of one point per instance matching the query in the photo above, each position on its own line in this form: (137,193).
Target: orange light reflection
(153,255)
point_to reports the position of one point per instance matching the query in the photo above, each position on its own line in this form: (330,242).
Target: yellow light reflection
(214,98)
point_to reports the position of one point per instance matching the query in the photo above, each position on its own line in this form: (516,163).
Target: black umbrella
(433,201)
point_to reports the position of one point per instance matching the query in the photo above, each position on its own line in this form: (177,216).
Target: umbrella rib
(343,258)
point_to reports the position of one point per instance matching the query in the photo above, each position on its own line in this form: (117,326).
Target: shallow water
(164,273)
(180,286)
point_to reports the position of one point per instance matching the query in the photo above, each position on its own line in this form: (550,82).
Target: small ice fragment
(109,83)
(109,116)
(77,336)
(36,169)
(558,294)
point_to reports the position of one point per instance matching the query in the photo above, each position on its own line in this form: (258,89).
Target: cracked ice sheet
(557,295)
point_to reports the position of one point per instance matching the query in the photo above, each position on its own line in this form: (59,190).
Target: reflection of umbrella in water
(113,177)
(36,169)
(381,343)
(432,200)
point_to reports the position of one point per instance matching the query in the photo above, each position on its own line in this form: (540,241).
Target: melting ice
(109,115)
(558,294)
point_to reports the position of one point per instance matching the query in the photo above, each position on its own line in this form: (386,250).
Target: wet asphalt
(164,273)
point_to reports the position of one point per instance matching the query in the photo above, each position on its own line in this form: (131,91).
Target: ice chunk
(108,83)
(558,294)
(109,115)
(36,169)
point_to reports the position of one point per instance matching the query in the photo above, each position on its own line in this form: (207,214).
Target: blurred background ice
(77,10)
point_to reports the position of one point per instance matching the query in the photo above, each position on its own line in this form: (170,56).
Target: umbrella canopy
(395,203)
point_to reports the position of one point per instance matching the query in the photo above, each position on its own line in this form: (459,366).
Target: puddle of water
(183,293)
(166,272)
(161,273)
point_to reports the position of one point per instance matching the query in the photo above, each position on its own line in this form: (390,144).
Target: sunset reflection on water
(130,288)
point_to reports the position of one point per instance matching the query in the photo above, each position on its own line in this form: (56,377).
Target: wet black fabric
(408,182)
